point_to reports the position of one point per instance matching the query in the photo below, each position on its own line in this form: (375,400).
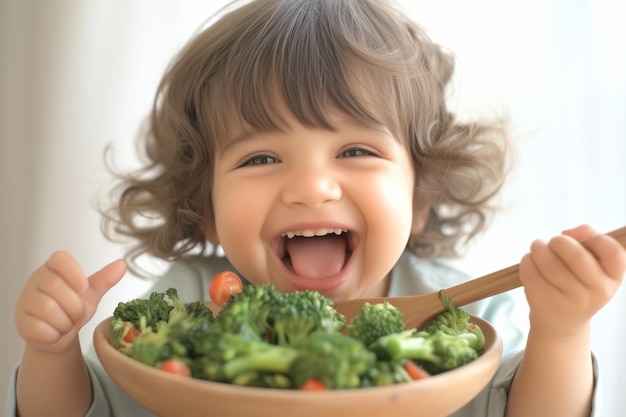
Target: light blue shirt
(411,275)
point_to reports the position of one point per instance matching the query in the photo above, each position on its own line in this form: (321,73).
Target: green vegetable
(336,360)
(446,342)
(260,331)
(247,311)
(164,332)
(226,357)
(453,321)
(436,352)
(283,318)
(266,338)
(293,316)
(151,311)
(375,321)
(385,372)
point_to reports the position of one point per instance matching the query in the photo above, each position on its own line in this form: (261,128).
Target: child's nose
(311,186)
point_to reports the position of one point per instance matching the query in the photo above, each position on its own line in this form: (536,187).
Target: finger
(39,317)
(600,256)
(64,265)
(581,233)
(58,297)
(41,335)
(577,259)
(550,266)
(48,297)
(610,254)
(38,330)
(530,275)
(103,280)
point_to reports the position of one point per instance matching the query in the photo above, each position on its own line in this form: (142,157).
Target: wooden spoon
(419,309)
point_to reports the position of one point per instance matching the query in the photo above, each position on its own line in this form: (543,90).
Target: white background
(78,75)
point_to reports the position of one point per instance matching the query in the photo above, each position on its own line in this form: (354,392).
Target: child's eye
(260,160)
(355,152)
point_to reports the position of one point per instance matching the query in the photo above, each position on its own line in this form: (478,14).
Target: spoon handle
(486,286)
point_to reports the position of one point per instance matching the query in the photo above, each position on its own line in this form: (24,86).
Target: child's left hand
(567,282)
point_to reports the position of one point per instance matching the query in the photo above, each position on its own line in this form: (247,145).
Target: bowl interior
(169,395)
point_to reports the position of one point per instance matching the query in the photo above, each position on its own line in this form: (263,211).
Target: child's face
(357,181)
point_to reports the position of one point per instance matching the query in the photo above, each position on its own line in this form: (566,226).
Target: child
(311,140)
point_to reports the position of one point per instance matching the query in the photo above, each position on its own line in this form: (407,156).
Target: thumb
(103,280)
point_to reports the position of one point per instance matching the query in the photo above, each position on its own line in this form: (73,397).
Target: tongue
(317,257)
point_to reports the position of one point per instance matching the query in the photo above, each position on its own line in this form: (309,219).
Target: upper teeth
(311,233)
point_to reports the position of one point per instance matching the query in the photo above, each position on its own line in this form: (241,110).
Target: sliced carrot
(176,367)
(313,384)
(130,332)
(415,371)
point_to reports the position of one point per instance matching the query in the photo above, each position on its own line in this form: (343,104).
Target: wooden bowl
(168,395)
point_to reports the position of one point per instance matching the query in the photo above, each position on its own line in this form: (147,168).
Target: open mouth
(316,254)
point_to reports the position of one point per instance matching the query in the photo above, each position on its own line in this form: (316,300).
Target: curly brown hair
(361,57)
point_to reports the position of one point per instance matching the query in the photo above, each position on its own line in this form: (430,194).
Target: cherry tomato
(176,367)
(313,384)
(223,286)
(415,371)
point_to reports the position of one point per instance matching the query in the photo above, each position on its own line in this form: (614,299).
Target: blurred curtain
(76,76)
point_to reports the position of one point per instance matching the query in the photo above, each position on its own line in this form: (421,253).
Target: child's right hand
(58,299)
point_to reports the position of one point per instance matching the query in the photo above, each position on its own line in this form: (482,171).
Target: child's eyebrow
(367,127)
(370,127)
(236,140)
(231,144)
(349,124)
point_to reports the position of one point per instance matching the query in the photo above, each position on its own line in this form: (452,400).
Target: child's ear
(421,208)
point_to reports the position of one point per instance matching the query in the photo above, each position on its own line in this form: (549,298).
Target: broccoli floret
(436,352)
(247,311)
(446,342)
(189,312)
(293,316)
(241,358)
(452,321)
(155,346)
(163,336)
(199,310)
(138,314)
(338,361)
(455,321)
(260,331)
(153,310)
(374,321)
(385,373)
